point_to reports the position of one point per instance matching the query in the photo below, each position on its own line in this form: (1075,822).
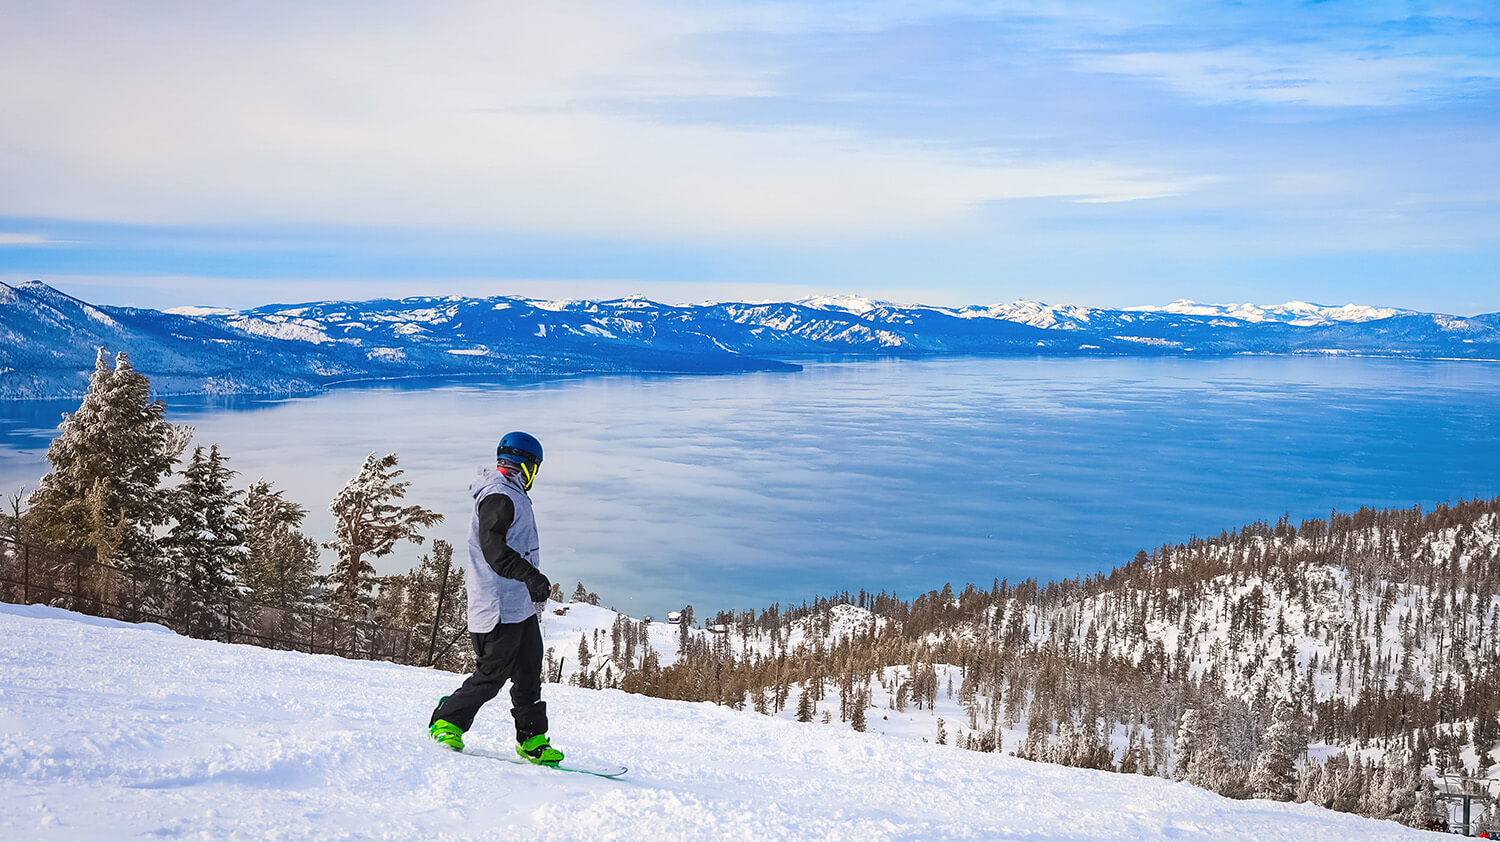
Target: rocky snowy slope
(110,731)
(47,338)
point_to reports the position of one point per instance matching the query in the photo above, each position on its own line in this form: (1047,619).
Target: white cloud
(1294,75)
(457,115)
(12,239)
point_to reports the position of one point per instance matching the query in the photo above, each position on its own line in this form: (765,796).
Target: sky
(1107,154)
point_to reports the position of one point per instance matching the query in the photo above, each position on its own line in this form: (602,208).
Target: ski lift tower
(1464,790)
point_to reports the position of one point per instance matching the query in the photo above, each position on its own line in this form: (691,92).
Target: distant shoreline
(795,365)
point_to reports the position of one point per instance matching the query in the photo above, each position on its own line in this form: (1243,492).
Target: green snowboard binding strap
(448,734)
(539,751)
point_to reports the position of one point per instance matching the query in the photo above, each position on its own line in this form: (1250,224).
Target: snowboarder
(504,588)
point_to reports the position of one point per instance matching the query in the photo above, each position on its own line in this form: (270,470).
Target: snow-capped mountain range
(49,337)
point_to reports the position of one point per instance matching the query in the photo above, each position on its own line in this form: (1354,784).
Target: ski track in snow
(111,731)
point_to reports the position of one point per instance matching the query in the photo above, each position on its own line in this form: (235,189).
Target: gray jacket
(493,598)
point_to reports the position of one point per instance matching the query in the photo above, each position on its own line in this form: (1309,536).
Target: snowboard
(598,771)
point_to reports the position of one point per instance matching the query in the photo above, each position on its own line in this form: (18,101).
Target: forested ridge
(1219,660)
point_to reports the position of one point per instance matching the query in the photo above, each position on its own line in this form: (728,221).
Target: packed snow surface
(112,731)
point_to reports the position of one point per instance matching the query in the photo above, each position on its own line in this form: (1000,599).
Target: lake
(738,491)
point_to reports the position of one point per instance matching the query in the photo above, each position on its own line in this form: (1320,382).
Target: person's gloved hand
(539,586)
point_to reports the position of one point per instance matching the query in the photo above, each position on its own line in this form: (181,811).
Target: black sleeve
(496,513)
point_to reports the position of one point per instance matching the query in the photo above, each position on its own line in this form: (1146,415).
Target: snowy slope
(114,731)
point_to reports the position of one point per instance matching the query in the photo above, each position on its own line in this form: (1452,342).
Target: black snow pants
(509,651)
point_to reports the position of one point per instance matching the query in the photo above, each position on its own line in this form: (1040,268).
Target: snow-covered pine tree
(1190,740)
(1209,764)
(857,715)
(206,541)
(1351,788)
(1038,732)
(108,461)
(1212,770)
(1426,806)
(1309,780)
(279,567)
(1274,774)
(1065,750)
(368,523)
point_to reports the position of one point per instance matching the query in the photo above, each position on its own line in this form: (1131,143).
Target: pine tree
(207,541)
(1274,774)
(108,461)
(425,589)
(279,568)
(857,716)
(368,523)
(684,628)
(582,678)
(942,732)
(1190,739)
(804,705)
(1131,761)
(1211,769)
(1426,806)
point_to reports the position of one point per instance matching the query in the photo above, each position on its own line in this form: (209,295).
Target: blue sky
(1107,154)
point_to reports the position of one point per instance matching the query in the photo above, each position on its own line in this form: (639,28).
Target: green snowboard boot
(539,751)
(447,734)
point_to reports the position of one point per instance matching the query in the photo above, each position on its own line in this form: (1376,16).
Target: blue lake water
(742,490)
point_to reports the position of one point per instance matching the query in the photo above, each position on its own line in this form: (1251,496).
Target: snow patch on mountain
(284,327)
(1034,313)
(1299,313)
(1149,340)
(855,304)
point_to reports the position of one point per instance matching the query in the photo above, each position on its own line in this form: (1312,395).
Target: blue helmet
(523,450)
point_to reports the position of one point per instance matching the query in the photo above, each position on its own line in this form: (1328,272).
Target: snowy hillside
(48,337)
(1371,640)
(114,731)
